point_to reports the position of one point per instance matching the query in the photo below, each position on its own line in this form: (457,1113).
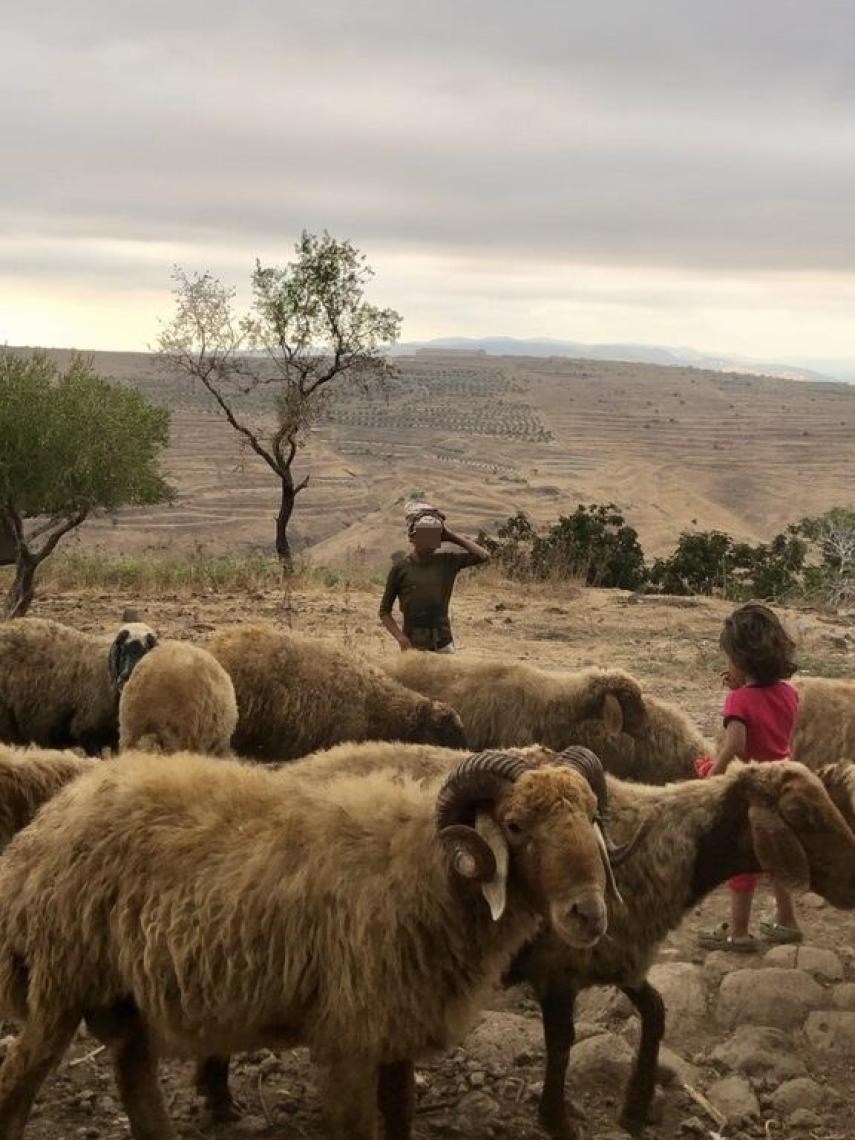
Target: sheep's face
(441,725)
(798,834)
(547,820)
(839,781)
(130,644)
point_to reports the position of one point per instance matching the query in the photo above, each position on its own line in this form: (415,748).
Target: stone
(605,1058)
(832,1031)
(477,1079)
(500,1038)
(800,1093)
(672,1066)
(768,996)
(603,1004)
(719,963)
(805,1118)
(814,960)
(842,997)
(734,1097)
(781,956)
(477,1106)
(682,988)
(759,1051)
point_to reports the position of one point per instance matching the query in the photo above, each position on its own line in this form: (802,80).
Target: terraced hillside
(489,435)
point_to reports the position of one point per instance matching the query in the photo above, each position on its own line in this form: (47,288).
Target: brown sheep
(775,817)
(140,895)
(29,777)
(178,699)
(297,694)
(59,688)
(504,705)
(825,722)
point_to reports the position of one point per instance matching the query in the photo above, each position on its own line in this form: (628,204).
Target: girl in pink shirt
(759,715)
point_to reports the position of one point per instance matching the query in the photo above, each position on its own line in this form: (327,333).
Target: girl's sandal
(719,939)
(775,932)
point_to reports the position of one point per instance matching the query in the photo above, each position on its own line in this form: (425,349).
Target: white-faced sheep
(178,699)
(507,705)
(297,694)
(825,722)
(695,834)
(209,905)
(59,688)
(29,777)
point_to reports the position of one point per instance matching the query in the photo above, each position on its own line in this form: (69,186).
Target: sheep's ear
(494,890)
(115,655)
(150,641)
(777,848)
(612,715)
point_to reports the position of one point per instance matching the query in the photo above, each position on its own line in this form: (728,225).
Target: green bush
(593,544)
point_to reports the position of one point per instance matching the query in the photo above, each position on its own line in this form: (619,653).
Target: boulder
(734,1097)
(603,1004)
(672,1066)
(606,1058)
(683,991)
(500,1039)
(843,997)
(718,963)
(832,1031)
(814,960)
(799,1093)
(768,996)
(759,1052)
(804,1119)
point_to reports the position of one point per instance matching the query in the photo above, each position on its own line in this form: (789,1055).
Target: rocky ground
(759,1046)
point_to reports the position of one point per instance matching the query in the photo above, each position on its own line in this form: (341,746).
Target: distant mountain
(631,353)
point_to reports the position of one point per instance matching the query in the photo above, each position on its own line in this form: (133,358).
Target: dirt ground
(489,1086)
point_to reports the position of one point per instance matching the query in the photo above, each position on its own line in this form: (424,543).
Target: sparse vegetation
(71,445)
(310,327)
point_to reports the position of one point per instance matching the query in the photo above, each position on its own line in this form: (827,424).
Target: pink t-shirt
(768,713)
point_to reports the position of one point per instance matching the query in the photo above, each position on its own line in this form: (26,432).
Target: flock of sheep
(448,826)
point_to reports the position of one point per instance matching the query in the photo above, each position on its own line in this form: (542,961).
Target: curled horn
(479,777)
(588,765)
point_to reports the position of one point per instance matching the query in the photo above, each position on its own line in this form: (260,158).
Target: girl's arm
(732,745)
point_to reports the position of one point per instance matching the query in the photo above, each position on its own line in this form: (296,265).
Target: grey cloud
(664,133)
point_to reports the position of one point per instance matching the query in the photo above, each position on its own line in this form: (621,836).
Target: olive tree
(72,444)
(270,370)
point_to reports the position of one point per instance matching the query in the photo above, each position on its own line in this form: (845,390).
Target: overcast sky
(658,171)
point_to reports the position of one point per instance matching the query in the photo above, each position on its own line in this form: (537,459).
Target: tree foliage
(269,370)
(72,444)
(594,544)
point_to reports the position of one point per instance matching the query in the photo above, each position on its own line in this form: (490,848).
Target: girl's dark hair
(754,639)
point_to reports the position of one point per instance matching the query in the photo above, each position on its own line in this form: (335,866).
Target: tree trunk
(21,591)
(286,509)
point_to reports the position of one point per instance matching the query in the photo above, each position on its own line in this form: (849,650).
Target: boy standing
(422,582)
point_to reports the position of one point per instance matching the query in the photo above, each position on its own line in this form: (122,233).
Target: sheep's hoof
(561,1123)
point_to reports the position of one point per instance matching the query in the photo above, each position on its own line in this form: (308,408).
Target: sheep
(179,699)
(366,918)
(297,694)
(825,722)
(502,705)
(776,817)
(29,777)
(839,781)
(59,687)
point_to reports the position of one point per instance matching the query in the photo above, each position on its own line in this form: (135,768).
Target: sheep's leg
(135,1065)
(559,1032)
(29,1058)
(642,1083)
(350,1092)
(212,1083)
(396,1098)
